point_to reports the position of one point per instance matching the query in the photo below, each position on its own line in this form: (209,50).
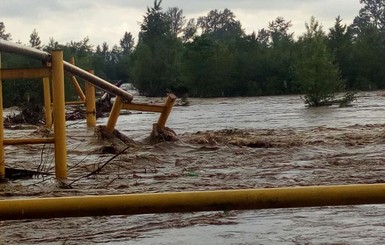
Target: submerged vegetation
(212,56)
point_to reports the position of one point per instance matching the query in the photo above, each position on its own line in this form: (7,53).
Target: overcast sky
(107,20)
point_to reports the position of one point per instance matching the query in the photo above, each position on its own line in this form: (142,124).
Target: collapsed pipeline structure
(52,72)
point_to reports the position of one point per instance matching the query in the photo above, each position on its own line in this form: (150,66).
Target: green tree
(3,34)
(99,62)
(318,77)
(221,24)
(279,31)
(52,44)
(190,30)
(367,66)
(105,51)
(127,43)
(34,40)
(123,67)
(207,68)
(340,43)
(372,13)
(155,24)
(263,37)
(176,19)
(80,49)
(280,48)
(105,61)
(249,68)
(156,60)
(142,69)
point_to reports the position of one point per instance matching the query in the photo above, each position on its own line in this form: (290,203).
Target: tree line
(212,56)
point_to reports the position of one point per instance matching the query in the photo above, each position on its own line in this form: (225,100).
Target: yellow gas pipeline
(40,208)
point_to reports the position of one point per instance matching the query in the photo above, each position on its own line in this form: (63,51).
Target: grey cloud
(39,8)
(21,16)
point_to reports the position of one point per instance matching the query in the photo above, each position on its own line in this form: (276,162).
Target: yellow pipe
(78,89)
(90,103)
(75,102)
(59,115)
(114,114)
(2,160)
(167,110)
(47,102)
(192,201)
(143,107)
(21,73)
(28,141)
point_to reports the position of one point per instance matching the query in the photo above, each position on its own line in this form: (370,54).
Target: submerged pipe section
(311,196)
(10,47)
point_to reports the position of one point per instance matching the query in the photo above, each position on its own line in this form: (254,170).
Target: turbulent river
(276,112)
(224,143)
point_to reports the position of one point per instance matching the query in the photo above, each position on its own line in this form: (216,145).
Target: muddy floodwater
(225,143)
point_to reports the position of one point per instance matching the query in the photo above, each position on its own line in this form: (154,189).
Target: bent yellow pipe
(192,201)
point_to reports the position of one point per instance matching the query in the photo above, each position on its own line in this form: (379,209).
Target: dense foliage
(213,56)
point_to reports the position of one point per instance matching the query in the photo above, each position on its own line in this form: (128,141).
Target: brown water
(261,113)
(252,143)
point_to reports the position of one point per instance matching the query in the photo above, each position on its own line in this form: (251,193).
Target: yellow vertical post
(114,114)
(2,160)
(166,111)
(90,103)
(47,102)
(78,89)
(59,115)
